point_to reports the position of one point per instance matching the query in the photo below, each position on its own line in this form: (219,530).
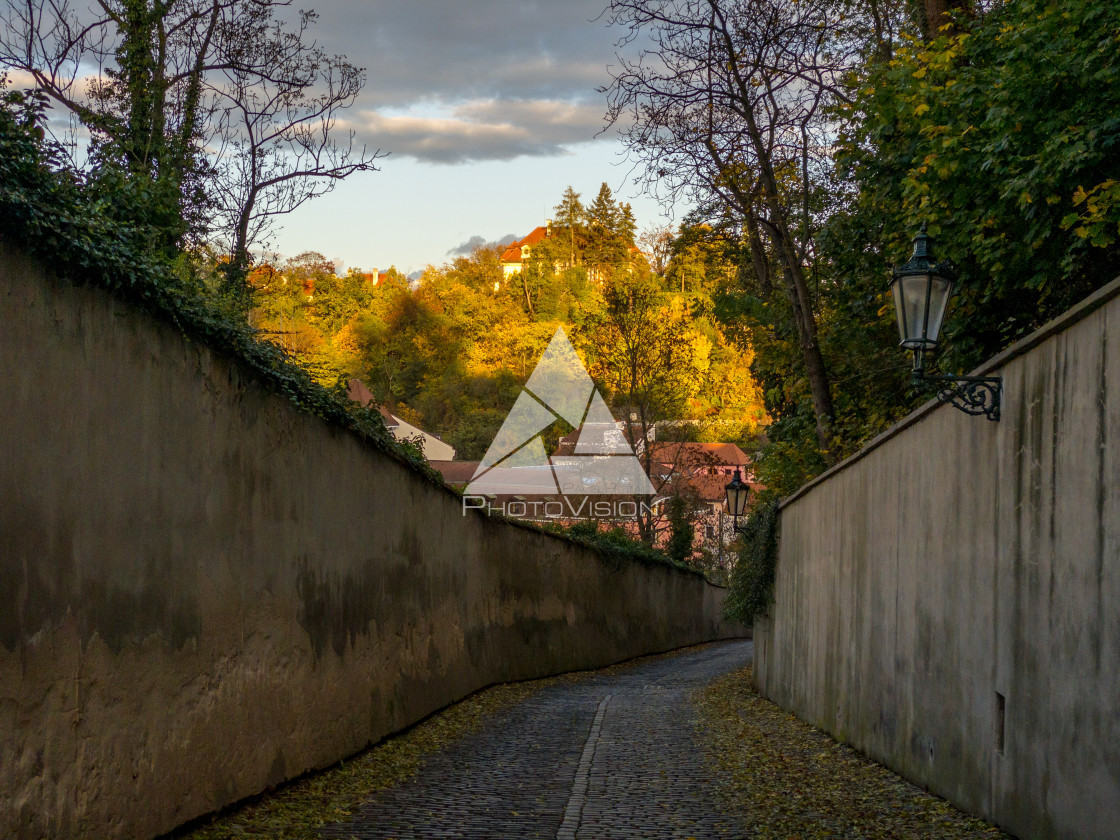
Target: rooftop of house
(704,487)
(700,454)
(603,434)
(455,473)
(713,488)
(359,393)
(691,455)
(512,254)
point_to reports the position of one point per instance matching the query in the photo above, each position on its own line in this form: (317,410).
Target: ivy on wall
(752,579)
(47,211)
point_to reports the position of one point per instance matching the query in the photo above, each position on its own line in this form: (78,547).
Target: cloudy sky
(488,110)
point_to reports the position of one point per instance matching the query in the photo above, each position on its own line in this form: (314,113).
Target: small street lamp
(921,289)
(737,493)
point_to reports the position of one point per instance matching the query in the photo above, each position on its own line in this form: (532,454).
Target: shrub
(752,579)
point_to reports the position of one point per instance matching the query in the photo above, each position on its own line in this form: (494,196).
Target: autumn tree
(642,352)
(726,105)
(701,260)
(213,112)
(451,351)
(1026,94)
(656,244)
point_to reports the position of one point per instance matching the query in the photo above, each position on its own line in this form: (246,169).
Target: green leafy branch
(1098,223)
(752,579)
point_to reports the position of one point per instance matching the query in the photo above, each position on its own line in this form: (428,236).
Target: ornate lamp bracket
(973,395)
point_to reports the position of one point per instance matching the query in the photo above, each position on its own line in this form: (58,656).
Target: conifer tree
(603,216)
(569,220)
(611,229)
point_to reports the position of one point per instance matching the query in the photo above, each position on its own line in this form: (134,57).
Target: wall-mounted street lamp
(737,493)
(921,290)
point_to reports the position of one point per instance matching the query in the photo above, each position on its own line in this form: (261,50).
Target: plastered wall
(204,592)
(948,600)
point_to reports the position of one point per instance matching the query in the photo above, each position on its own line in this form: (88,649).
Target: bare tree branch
(238,109)
(728,102)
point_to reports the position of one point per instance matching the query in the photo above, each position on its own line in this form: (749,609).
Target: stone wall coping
(1048,330)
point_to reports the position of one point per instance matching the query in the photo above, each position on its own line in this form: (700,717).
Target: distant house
(457,474)
(517,253)
(698,472)
(434,448)
(604,436)
(676,467)
(373,277)
(696,459)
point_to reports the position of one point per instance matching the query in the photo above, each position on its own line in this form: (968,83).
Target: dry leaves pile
(297,810)
(785,779)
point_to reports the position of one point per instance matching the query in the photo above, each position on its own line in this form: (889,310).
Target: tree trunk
(759,262)
(796,288)
(807,338)
(525,288)
(776,223)
(237,269)
(936,14)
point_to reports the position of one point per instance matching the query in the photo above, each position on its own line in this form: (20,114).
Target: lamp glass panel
(913,290)
(899,309)
(939,291)
(737,499)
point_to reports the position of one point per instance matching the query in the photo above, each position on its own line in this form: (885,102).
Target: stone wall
(204,591)
(948,599)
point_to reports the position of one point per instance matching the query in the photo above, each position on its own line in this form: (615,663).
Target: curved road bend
(610,757)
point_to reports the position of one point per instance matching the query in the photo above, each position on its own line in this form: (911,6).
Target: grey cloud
(453,50)
(483,130)
(469,246)
(504,78)
(476,242)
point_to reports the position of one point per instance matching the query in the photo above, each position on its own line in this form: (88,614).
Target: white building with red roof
(434,448)
(517,254)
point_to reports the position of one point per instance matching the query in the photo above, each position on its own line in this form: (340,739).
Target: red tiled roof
(513,252)
(359,393)
(713,488)
(456,472)
(700,454)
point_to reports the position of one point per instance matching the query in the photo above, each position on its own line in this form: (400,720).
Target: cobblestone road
(610,758)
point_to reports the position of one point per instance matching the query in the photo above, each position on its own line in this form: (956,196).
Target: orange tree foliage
(450,350)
